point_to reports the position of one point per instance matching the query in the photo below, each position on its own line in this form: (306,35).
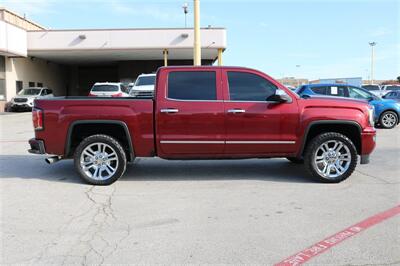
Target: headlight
(371,116)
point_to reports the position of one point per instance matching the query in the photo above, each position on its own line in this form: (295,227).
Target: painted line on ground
(322,246)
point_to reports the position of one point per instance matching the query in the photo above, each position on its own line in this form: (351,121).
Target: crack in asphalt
(90,246)
(375,177)
(375,264)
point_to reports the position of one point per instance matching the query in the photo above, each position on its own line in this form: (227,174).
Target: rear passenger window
(249,87)
(192,85)
(319,90)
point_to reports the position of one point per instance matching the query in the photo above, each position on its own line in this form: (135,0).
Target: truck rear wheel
(100,160)
(330,157)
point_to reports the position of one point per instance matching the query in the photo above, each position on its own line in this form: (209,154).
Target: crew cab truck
(205,113)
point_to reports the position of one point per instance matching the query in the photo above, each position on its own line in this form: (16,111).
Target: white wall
(13,40)
(27,70)
(123,39)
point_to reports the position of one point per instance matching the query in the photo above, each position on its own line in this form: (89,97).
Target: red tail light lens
(37,119)
(90,94)
(117,95)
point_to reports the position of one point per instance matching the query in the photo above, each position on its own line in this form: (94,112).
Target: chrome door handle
(236,111)
(169,110)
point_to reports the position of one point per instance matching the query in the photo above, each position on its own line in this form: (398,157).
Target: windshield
(371,87)
(148,80)
(29,92)
(105,88)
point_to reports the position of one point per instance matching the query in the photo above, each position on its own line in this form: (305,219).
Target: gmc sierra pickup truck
(205,113)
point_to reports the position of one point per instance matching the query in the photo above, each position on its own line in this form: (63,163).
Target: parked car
(108,89)
(388,88)
(374,89)
(387,112)
(394,95)
(25,98)
(206,113)
(144,86)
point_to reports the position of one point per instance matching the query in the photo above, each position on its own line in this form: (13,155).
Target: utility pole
(185,11)
(197,41)
(372,44)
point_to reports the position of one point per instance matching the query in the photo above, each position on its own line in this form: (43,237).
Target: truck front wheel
(330,157)
(100,160)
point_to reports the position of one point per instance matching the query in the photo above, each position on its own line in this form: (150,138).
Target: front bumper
(21,106)
(37,146)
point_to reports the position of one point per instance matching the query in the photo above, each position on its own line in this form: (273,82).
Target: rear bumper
(368,143)
(37,146)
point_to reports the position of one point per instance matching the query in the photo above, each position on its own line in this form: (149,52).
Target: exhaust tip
(53,159)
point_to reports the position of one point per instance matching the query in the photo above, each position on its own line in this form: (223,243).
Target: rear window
(393,88)
(105,88)
(143,81)
(371,87)
(192,85)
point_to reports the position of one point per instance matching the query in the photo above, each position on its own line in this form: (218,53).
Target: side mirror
(280,96)
(372,98)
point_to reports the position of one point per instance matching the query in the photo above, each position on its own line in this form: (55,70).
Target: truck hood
(330,101)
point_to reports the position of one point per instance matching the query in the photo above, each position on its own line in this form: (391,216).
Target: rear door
(255,126)
(190,113)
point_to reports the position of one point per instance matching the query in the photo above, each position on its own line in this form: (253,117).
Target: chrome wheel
(99,161)
(389,120)
(332,159)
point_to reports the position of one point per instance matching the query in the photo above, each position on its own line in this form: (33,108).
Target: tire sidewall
(312,148)
(381,119)
(112,143)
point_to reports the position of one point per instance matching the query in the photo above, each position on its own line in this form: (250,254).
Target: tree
(398,78)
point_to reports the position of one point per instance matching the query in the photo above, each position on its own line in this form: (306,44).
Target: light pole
(372,44)
(185,11)
(298,80)
(197,41)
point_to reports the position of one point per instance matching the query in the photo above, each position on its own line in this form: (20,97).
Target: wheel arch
(114,128)
(352,131)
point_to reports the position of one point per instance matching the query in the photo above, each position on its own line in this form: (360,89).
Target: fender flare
(67,149)
(325,122)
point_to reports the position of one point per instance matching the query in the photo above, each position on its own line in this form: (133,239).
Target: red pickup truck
(205,113)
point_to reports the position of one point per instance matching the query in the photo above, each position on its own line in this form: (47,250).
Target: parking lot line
(316,249)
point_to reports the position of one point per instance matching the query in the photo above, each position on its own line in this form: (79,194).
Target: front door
(190,114)
(255,126)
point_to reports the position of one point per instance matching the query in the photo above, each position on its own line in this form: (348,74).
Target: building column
(220,56)
(165,53)
(197,41)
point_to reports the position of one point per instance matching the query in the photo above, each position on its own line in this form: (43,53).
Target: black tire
(384,115)
(295,160)
(113,145)
(311,152)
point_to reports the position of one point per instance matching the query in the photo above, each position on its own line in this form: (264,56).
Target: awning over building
(89,46)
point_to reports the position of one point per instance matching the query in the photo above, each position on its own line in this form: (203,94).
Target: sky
(287,38)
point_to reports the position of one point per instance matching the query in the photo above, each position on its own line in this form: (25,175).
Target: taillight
(117,95)
(37,119)
(90,94)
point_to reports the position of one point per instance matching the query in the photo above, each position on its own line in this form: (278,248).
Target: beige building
(70,61)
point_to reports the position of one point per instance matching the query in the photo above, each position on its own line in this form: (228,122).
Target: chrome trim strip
(191,142)
(226,142)
(262,142)
(180,100)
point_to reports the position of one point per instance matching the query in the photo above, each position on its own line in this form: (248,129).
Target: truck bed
(60,113)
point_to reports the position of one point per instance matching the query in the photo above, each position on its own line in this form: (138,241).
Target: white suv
(144,86)
(24,99)
(108,89)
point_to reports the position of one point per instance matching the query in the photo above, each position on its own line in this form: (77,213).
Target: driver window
(245,86)
(44,92)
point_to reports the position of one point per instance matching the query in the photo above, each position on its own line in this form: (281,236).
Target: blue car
(387,111)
